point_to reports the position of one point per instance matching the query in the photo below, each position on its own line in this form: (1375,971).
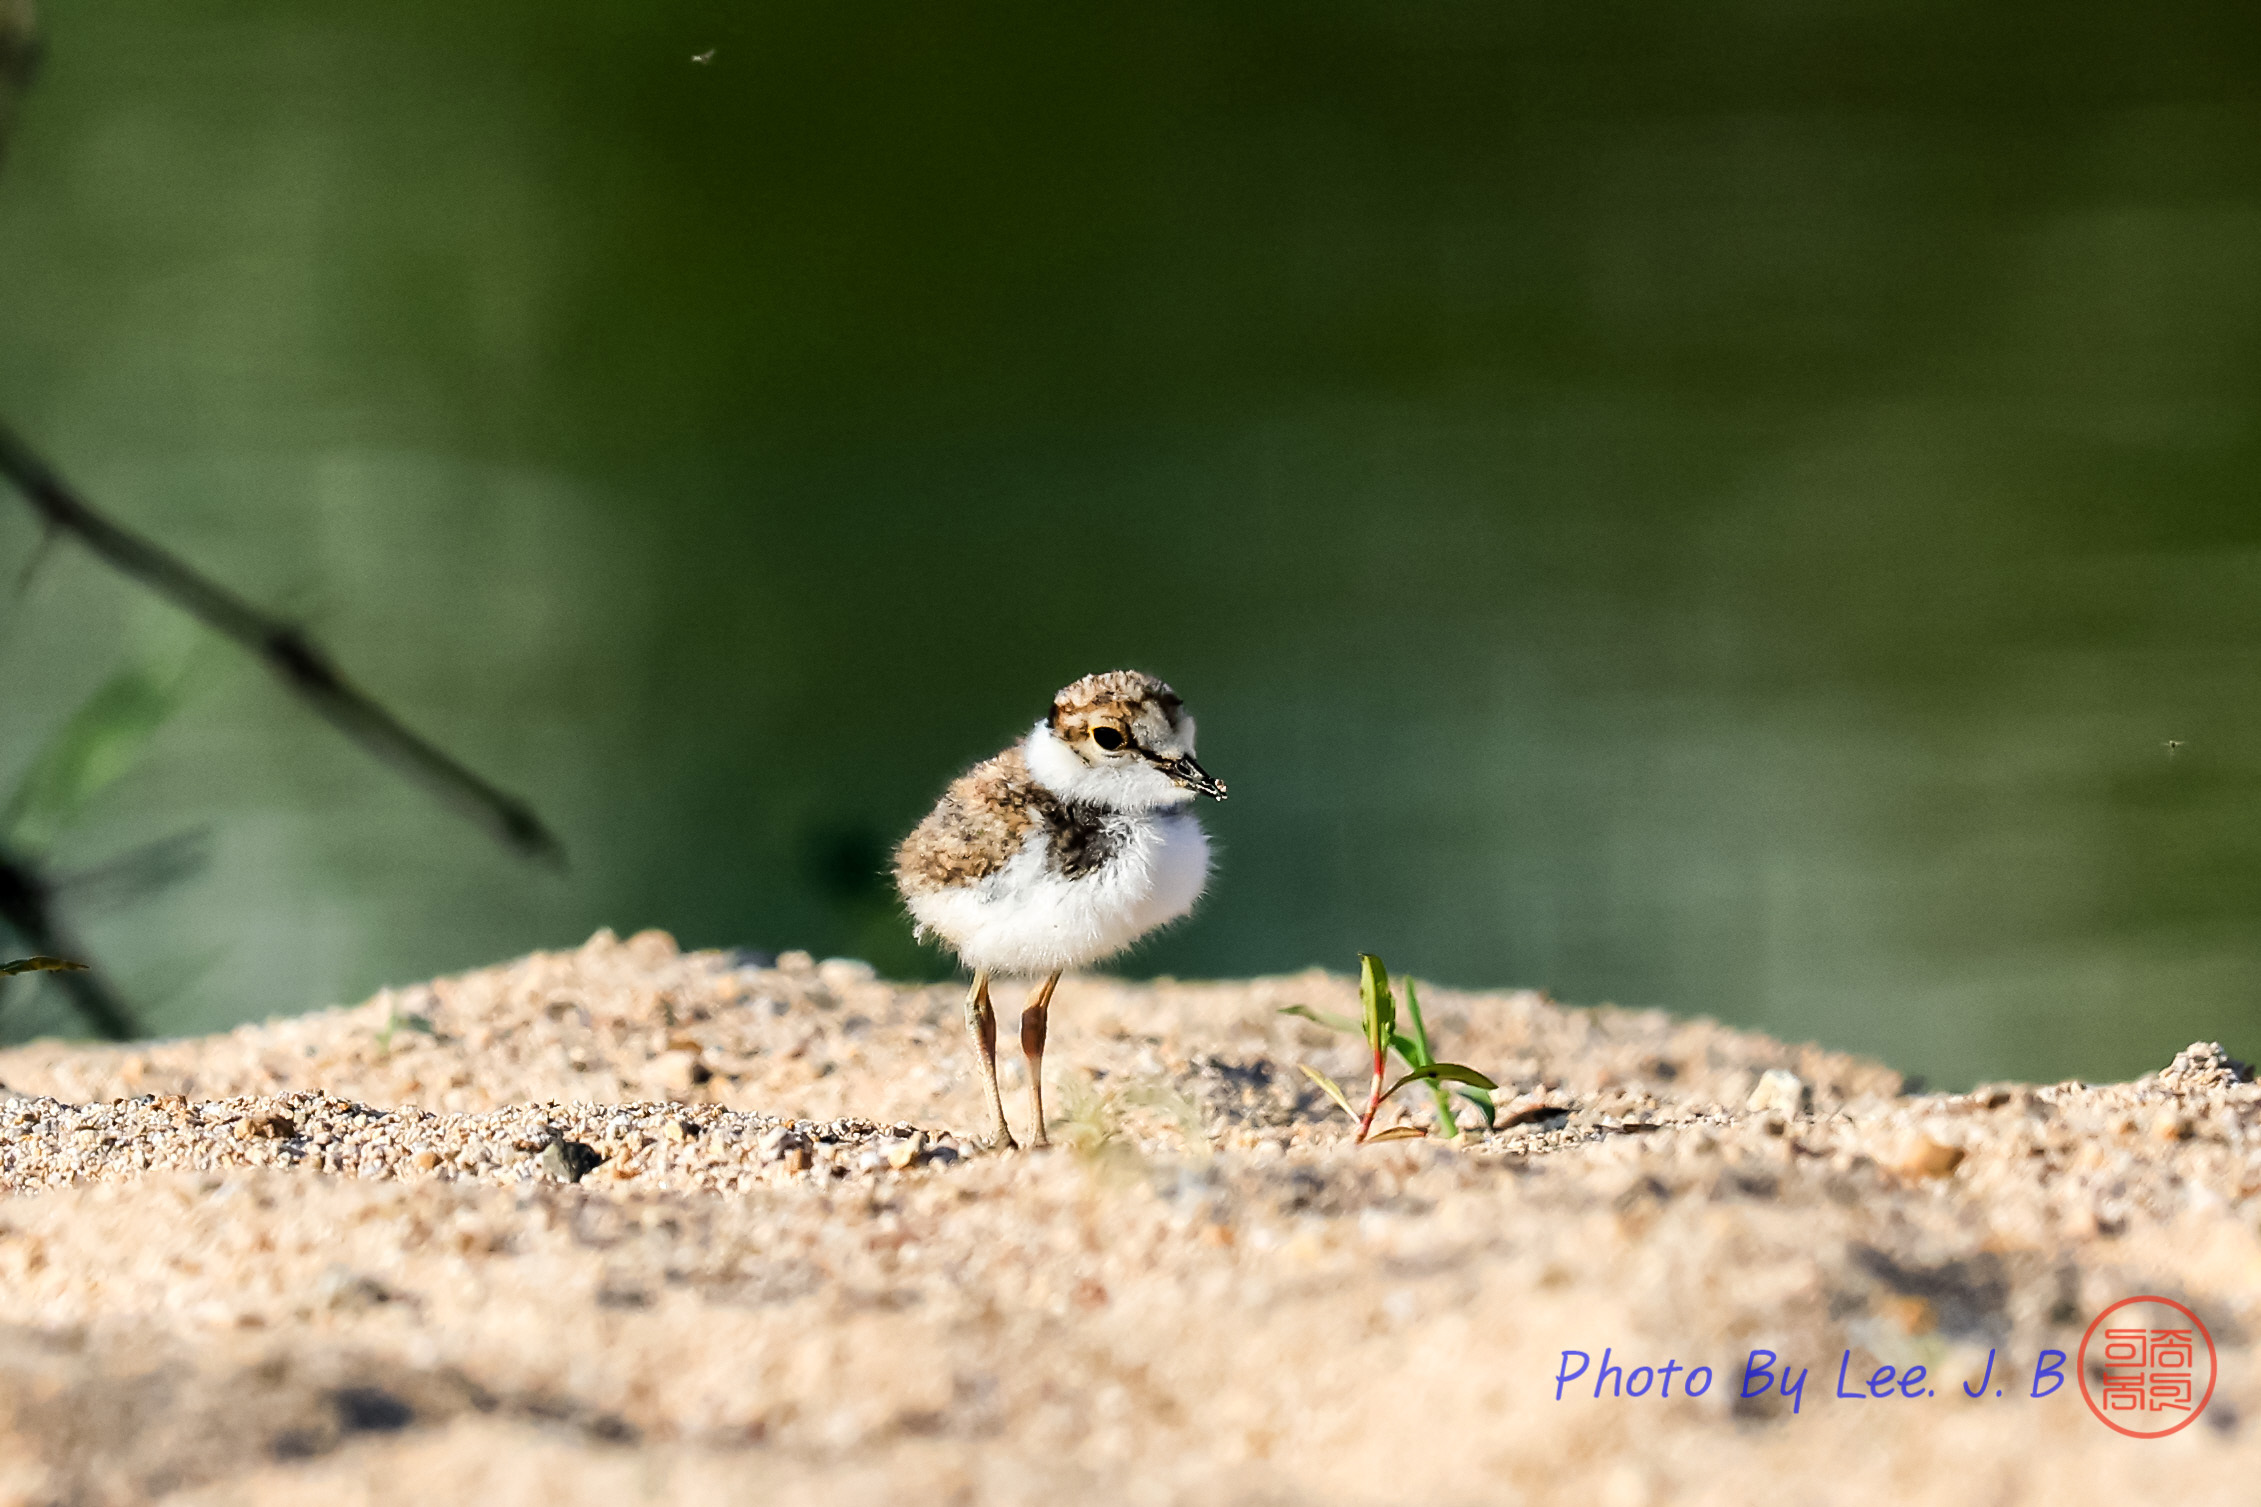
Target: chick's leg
(1033,1021)
(981,1024)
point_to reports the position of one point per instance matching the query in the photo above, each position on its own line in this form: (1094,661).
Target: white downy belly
(1025,920)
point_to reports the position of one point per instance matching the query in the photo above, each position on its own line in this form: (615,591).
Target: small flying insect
(2173,746)
(705,57)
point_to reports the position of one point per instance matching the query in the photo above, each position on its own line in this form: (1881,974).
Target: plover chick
(1061,851)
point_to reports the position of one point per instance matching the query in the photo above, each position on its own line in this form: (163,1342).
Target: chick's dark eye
(1108,738)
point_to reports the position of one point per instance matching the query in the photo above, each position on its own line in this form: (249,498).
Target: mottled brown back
(984,818)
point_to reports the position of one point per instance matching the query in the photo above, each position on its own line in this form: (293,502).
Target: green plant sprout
(1414,1049)
(396,1022)
(1379,1027)
(1091,1123)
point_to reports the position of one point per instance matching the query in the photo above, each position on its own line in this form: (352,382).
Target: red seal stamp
(2153,1365)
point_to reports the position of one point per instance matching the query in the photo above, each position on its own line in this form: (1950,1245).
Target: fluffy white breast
(1181,868)
(1026,918)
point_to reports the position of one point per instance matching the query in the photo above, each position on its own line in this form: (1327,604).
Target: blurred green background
(1720,507)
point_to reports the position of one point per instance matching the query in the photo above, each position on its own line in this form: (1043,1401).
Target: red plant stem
(1373,1098)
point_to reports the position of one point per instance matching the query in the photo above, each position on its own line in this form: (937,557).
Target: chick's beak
(1189,773)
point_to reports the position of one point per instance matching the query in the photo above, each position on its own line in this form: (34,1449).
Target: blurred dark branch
(27,895)
(296,660)
(27,909)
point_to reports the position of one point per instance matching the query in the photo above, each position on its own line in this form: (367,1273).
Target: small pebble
(1779,1090)
(1918,1155)
(569,1161)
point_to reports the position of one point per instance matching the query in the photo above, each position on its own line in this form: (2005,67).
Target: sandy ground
(622,1224)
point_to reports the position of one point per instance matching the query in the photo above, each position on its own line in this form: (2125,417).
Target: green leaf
(1330,1020)
(1418,1075)
(1409,1049)
(1399,1133)
(1421,1055)
(1482,1100)
(1327,1083)
(99,742)
(1374,996)
(1451,1072)
(41,965)
(1420,1029)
